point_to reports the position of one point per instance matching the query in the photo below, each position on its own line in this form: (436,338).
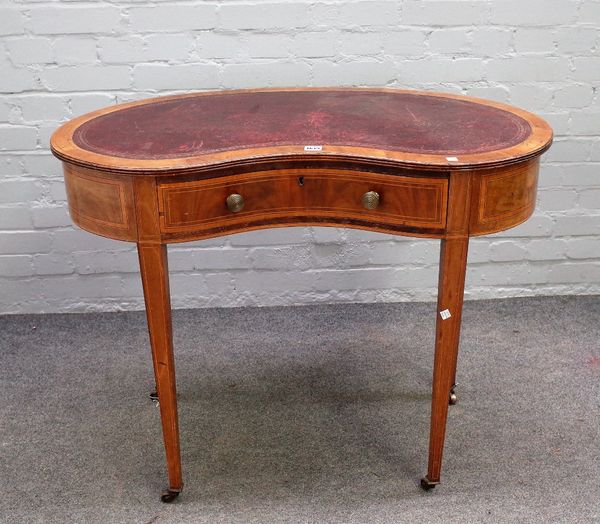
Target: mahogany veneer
(183,168)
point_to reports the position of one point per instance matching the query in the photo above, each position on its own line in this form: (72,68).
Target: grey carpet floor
(304,414)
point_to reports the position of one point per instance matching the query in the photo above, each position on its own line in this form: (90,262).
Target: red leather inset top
(197,125)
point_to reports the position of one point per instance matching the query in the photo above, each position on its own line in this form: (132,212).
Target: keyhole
(300,180)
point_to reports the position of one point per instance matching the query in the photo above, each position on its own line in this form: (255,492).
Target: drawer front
(304,196)
(203,203)
(410,201)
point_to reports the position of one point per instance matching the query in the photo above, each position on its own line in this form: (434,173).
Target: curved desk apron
(413,163)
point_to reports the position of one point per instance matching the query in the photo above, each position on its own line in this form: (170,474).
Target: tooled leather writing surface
(401,121)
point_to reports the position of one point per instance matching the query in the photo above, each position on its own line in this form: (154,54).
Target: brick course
(61,59)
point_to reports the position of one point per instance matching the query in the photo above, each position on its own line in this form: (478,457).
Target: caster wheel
(154,397)
(427,485)
(453,399)
(169,496)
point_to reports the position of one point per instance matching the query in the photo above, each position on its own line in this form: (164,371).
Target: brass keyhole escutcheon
(235,202)
(370,200)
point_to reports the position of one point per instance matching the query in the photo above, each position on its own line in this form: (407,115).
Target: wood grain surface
(433,165)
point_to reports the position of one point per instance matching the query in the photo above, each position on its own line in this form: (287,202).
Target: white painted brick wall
(60,59)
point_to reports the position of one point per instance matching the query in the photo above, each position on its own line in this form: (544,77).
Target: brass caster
(453,399)
(427,485)
(169,496)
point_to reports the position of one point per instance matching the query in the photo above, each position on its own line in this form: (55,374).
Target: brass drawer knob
(235,202)
(370,200)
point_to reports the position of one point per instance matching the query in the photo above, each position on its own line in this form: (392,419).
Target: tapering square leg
(155,280)
(453,264)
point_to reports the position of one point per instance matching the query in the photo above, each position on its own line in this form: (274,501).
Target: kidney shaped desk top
(188,167)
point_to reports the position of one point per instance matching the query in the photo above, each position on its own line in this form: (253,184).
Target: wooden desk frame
(149,203)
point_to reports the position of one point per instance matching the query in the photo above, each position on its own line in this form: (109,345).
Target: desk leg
(155,279)
(453,265)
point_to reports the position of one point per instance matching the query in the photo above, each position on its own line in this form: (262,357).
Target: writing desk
(189,167)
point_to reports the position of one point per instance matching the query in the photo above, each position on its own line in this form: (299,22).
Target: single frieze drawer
(303,195)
